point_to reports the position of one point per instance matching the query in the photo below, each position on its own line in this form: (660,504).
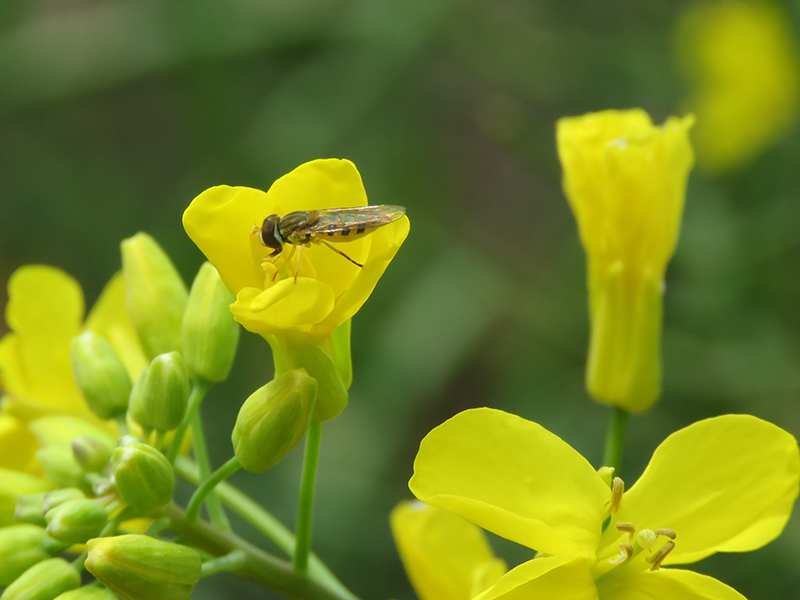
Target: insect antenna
(358,264)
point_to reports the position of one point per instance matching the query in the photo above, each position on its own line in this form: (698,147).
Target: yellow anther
(626,528)
(659,556)
(625,552)
(617,489)
(670,533)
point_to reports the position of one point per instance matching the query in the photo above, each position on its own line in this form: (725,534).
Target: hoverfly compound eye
(269,235)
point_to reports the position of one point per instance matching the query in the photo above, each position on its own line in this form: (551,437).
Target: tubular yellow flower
(725,484)
(446,557)
(296,315)
(743,61)
(625,180)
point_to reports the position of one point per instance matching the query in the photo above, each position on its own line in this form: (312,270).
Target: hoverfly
(305,227)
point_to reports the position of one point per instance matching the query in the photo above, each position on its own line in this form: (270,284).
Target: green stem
(259,566)
(215,510)
(78,563)
(229,562)
(306,501)
(615,440)
(263,521)
(208,485)
(200,388)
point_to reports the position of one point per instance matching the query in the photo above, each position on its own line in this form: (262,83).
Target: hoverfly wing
(342,222)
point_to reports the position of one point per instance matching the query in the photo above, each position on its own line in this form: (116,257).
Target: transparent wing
(337,220)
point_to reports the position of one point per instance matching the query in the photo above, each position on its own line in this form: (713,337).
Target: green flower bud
(273,420)
(56,498)
(29,509)
(156,295)
(76,521)
(161,393)
(91,455)
(100,374)
(21,547)
(127,440)
(210,333)
(44,581)
(88,592)
(13,485)
(138,567)
(60,465)
(143,476)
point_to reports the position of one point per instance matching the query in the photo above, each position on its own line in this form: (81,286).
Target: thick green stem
(200,388)
(306,501)
(263,521)
(215,510)
(229,562)
(221,474)
(615,440)
(259,566)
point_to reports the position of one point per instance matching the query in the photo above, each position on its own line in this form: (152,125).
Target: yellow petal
(665,584)
(321,183)
(725,484)
(443,554)
(17,445)
(45,311)
(564,577)
(284,306)
(514,478)
(220,221)
(109,318)
(54,430)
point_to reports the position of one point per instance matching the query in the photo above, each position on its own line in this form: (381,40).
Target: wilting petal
(725,484)
(665,584)
(563,577)
(514,478)
(446,557)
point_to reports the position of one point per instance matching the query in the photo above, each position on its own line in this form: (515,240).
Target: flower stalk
(305,504)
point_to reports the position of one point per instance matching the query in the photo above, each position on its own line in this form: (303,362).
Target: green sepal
(143,476)
(161,393)
(100,374)
(56,498)
(21,547)
(44,581)
(273,420)
(91,454)
(60,466)
(13,485)
(138,567)
(76,521)
(30,509)
(88,592)
(339,342)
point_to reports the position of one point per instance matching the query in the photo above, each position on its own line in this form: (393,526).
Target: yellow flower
(725,484)
(296,315)
(743,60)
(44,312)
(625,180)
(446,557)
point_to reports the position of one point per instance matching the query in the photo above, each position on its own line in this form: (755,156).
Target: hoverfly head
(269,234)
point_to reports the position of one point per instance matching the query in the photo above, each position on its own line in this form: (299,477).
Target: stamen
(625,553)
(659,556)
(618,487)
(626,528)
(670,533)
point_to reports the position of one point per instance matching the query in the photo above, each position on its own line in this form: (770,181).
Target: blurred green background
(114,114)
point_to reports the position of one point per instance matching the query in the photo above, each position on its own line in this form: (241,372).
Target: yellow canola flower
(296,309)
(742,59)
(625,180)
(446,557)
(725,484)
(44,312)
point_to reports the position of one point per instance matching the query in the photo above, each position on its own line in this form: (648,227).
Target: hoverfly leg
(299,263)
(287,260)
(358,264)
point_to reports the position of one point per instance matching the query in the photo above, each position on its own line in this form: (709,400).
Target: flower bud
(29,509)
(161,393)
(91,455)
(60,465)
(143,476)
(56,498)
(155,293)
(44,581)
(138,567)
(14,485)
(21,547)
(100,374)
(273,420)
(88,592)
(63,429)
(210,333)
(76,521)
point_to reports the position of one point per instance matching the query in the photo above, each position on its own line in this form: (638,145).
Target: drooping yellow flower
(446,557)
(296,309)
(44,312)
(625,180)
(742,58)
(725,484)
